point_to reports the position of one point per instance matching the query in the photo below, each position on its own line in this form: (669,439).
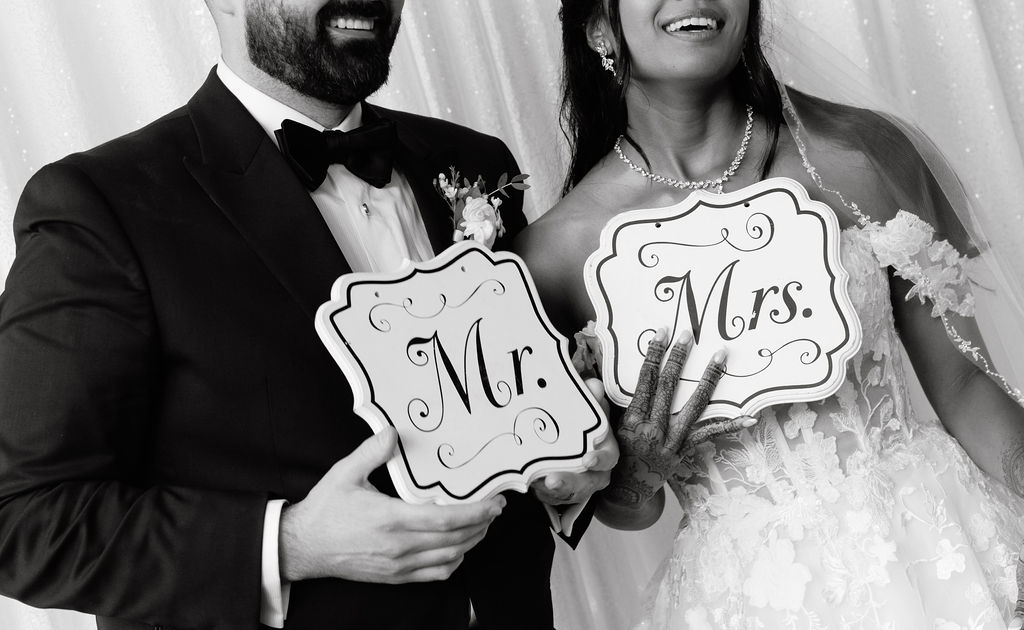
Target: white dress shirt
(377,229)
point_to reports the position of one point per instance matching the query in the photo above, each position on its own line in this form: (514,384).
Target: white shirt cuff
(562,523)
(274,593)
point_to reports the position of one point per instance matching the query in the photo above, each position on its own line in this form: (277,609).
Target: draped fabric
(74,74)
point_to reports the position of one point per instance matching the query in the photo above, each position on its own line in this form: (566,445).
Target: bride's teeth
(693,23)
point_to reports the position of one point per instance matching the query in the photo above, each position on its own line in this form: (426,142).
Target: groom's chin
(353,75)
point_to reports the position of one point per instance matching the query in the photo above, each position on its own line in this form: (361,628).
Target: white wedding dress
(850,512)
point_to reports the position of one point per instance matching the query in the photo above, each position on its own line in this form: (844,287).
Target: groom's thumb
(373,453)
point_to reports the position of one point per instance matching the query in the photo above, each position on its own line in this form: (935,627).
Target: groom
(177,448)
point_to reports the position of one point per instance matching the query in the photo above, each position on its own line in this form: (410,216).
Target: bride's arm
(973,407)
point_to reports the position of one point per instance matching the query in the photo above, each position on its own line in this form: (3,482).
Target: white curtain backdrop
(74,74)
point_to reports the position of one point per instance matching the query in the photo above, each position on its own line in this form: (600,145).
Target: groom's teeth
(352,24)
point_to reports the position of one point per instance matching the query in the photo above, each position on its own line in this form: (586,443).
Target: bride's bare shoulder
(553,238)
(572,227)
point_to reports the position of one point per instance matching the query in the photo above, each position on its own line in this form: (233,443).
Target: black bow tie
(367,151)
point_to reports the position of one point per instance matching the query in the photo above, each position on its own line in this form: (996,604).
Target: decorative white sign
(457,354)
(755,271)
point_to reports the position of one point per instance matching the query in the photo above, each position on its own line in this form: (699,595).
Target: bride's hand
(651,438)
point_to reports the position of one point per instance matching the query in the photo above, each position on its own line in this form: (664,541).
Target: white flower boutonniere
(476,214)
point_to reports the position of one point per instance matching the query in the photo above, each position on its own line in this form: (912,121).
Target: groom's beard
(339,72)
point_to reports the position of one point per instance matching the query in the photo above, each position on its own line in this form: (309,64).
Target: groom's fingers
(418,542)
(571,488)
(435,563)
(444,518)
(604,456)
(596,388)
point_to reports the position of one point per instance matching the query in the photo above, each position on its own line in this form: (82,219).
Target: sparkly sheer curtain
(73,74)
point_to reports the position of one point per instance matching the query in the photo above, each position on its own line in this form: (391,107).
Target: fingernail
(749,422)
(662,334)
(719,356)
(685,337)
(590,460)
(554,484)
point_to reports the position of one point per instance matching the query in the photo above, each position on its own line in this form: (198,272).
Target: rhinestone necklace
(704,183)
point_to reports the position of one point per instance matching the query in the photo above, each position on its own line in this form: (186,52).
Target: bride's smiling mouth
(695,25)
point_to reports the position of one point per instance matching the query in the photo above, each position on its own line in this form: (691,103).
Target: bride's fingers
(661,406)
(640,406)
(698,401)
(718,427)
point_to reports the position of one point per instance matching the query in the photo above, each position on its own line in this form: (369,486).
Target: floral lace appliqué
(939,273)
(848,512)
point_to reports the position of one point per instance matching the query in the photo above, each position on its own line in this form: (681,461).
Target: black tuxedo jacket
(161,379)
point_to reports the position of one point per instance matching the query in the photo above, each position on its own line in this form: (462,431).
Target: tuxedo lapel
(420,163)
(245,175)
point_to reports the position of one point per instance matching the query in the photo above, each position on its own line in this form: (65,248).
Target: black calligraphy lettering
(483,367)
(759,297)
(787,297)
(697,321)
(517,366)
(461,381)
(723,309)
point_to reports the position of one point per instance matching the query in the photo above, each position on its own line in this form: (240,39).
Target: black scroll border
(545,324)
(828,267)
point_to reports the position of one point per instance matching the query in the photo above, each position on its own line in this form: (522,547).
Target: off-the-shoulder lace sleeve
(939,274)
(937,270)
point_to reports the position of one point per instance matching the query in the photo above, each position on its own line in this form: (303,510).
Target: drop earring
(606,62)
(743,60)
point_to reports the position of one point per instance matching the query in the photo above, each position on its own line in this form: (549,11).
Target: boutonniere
(475,213)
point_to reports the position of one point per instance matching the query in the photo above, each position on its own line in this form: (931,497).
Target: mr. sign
(459,357)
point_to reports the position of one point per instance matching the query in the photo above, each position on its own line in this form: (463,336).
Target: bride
(850,512)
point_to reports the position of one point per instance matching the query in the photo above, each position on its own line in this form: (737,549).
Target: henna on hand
(650,437)
(711,430)
(1020,586)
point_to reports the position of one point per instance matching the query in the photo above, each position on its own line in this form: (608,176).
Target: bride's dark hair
(593,99)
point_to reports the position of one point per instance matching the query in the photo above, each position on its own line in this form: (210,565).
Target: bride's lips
(695,24)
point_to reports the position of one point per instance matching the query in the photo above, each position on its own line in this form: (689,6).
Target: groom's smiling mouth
(354,19)
(352,24)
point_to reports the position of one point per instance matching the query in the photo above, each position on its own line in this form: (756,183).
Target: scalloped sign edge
(763,398)
(363,398)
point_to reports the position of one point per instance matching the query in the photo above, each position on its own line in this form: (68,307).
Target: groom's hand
(570,488)
(345,528)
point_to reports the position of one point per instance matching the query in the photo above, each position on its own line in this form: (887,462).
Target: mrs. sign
(755,271)
(457,354)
